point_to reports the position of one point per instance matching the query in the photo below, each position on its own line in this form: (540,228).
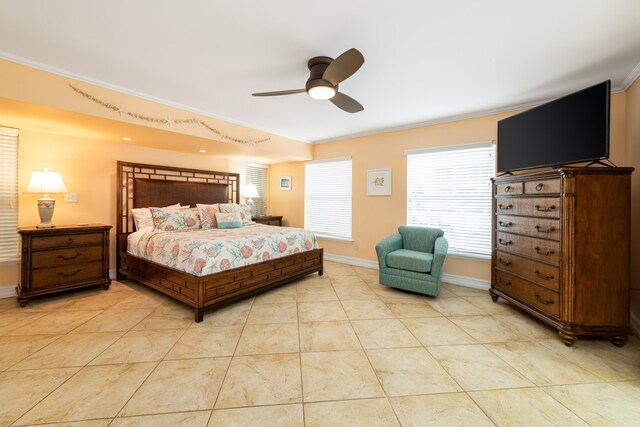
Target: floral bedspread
(203,252)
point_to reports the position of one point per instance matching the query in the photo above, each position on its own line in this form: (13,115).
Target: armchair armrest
(389,244)
(439,254)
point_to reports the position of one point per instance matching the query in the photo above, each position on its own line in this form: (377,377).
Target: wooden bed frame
(141,185)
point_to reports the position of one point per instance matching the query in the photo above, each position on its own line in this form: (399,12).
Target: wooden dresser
(561,244)
(269,220)
(62,258)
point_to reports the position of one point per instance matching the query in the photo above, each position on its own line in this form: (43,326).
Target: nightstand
(269,220)
(62,258)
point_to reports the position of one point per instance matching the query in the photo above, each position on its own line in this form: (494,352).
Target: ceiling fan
(326,74)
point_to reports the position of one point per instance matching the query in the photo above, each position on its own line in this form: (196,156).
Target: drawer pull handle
(547,209)
(505,207)
(544,276)
(503,262)
(547,302)
(65,258)
(507,283)
(69,240)
(505,242)
(547,230)
(507,189)
(540,252)
(70,274)
(505,224)
(539,187)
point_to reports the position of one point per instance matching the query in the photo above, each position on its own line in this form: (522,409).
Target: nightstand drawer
(66,240)
(61,257)
(44,277)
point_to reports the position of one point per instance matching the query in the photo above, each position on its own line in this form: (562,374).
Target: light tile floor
(323,351)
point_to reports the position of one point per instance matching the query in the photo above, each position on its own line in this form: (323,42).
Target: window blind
(8,194)
(257,174)
(327,198)
(450,188)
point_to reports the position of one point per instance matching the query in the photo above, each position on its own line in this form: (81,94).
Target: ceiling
(425,61)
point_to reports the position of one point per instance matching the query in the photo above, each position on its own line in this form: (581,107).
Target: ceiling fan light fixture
(322,92)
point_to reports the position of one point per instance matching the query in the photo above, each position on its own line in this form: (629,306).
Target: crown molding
(64,73)
(631,77)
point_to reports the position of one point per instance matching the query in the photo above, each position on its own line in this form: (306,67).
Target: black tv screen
(571,129)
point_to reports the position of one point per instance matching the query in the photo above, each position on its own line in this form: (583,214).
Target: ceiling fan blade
(279,92)
(343,66)
(346,103)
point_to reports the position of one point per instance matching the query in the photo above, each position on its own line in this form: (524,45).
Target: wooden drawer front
(540,273)
(66,240)
(536,296)
(548,207)
(74,273)
(542,250)
(536,227)
(60,257)
(545,186)
(509,189)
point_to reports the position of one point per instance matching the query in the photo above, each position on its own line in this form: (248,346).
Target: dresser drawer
(547,207)
(44,277)
(66,240)
(544,186)
(538,249)
(509,189)
(536,296)
(545,228)
(538,272)
(60,257)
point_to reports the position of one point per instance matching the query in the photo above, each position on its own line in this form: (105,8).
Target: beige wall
(633,159)
(377,217)
(289,204)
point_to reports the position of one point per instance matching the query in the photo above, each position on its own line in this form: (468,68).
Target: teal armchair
(413,259)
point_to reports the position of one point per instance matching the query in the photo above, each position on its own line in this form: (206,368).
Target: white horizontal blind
(450,188)
(327,198)
(8,194)
(257,174)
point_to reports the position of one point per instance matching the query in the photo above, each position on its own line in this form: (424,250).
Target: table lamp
(45,182)
(250,190)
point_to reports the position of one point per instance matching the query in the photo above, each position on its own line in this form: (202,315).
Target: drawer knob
(70,274)
(505,242)
(541,252)
(544,276)
(547,230)
(507,189)
(69,240)
(505,207)
(539,187)
(507,283)
(505,224)
(547,302)
(547,209)
(69,258)
(503,262)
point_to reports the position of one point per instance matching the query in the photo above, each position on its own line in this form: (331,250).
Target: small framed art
(379,182)
(285,183)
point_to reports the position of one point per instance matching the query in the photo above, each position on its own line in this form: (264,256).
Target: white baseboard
(8,291)
(112,274)
(635,325)
(469,282)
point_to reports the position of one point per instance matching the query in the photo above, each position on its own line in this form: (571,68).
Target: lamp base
(45,209)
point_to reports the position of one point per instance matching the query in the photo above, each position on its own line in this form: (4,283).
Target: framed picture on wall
(379,182)
(285,183)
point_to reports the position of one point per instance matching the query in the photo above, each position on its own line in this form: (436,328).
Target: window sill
(334,239)
(10,261)
(470,256)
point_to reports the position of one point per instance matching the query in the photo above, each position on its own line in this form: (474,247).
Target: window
(8,194)
(450,188)
(257,174)
(327,198)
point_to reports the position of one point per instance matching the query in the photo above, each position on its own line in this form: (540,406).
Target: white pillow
(143,219)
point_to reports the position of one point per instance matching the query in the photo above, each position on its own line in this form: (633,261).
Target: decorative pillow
(229,207)
(229,220)
(143,220)
(176,219)
(245,213)
(208,215)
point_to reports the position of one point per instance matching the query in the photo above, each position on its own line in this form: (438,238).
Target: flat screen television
(571,129)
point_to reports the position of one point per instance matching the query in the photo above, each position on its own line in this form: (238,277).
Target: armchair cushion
(406,259)
(421,239)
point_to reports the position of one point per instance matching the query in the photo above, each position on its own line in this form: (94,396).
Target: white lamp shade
(45,182)
(251,191)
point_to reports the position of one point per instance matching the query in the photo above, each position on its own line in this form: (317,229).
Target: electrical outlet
(71,197)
